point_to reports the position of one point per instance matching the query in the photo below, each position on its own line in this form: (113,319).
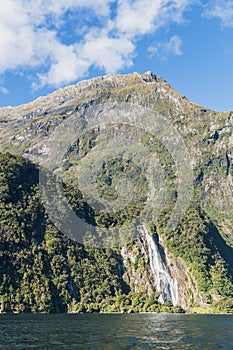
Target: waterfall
(163,280)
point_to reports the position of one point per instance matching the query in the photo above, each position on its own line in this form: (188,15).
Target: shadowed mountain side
(126,149)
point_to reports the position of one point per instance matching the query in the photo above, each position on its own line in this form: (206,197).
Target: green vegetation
(199,243)
(43,271)
(130,303)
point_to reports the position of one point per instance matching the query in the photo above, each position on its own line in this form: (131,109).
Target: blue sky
(49,44)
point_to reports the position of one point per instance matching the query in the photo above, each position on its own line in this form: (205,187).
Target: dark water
(119,331)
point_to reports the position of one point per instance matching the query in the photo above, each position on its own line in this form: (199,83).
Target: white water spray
(164,282)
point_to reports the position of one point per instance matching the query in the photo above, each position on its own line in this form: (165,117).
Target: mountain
(116,195)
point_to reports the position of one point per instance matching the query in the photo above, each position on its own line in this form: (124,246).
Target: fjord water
(116,331)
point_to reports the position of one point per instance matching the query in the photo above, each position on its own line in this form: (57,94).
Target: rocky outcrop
(139,274)
(29,130)
(188,291)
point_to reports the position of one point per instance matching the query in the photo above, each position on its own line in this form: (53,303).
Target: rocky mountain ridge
(201,271)
(207,134)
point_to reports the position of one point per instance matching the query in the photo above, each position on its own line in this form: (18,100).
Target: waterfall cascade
(164,282)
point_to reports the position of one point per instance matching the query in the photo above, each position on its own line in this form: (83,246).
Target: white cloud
(163,50)
(31,35)
(223,10)
(16,37)
(4,90)
(173,46)
(106,52)
(65,67)
(138,17)
(98,49)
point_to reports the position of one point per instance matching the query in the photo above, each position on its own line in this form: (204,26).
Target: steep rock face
(139,275)
(28,130)
(208,135)
(27,127)
(188,291)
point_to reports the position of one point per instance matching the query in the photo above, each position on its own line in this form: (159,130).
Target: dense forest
(44,271)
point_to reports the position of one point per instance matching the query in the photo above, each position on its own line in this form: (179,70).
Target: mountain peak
(184,148)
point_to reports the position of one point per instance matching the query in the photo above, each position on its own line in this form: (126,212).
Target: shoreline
(114,313)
